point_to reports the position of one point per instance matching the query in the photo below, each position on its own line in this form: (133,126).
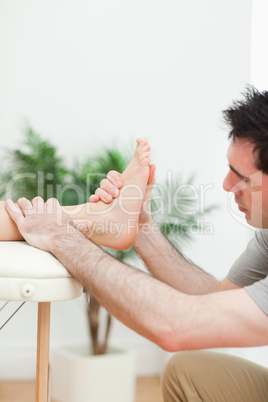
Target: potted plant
(36,169)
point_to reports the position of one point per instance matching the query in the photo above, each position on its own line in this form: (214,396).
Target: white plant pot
(77,376)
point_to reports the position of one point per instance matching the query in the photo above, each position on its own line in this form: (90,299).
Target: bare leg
(8,228)
(114,225)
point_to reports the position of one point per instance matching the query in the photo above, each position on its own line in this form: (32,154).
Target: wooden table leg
(42,358)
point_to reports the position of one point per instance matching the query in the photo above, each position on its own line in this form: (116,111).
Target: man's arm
(167,264)
(167,317)
(162,259)
(171,319)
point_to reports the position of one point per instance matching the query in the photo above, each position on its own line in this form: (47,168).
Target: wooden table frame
(42,357)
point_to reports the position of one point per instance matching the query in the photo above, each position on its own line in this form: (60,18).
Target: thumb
(82,225)
(150,184)
(151,178)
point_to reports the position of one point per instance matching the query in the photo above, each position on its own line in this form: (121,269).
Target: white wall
(87,73)
(259,56)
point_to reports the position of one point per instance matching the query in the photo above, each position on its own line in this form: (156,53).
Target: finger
(52,205)
(53,208)
(26,206)
(38,204)
(151,178)
(103,196)
(94,198)
(14,211)
(83,225)
(107,186)
(115,178)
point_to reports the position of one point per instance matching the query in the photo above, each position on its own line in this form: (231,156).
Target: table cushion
(27,273)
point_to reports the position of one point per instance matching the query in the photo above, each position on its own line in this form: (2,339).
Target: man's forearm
(138,300)
(171,319)
(167,264)
(168,317)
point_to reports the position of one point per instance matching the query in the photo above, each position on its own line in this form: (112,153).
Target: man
(180,307)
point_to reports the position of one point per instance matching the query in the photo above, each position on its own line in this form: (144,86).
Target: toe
(143,147)
(145,158)
(139,140)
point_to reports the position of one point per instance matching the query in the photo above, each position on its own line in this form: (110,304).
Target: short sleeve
(252,265)
(250,270)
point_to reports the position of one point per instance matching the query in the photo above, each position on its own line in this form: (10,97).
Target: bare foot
(115,224)
(135,178)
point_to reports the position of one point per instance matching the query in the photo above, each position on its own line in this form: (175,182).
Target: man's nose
(232,183)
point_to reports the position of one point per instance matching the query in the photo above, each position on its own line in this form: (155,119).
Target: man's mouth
(240,207)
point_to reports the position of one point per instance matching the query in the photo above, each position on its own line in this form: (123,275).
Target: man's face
(249,185)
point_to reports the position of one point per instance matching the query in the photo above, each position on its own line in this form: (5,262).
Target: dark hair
(248,119)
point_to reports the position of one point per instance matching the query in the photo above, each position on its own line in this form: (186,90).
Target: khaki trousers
(213,377)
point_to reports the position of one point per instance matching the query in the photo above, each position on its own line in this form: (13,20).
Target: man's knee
(210,376)
(176,381)
(185,375)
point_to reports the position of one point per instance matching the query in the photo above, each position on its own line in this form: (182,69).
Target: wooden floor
(148,390)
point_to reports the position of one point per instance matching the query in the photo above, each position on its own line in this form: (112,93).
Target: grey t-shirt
(250,270)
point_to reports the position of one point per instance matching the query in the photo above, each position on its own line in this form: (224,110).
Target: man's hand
(109,189)
(40,221)
(145,213)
